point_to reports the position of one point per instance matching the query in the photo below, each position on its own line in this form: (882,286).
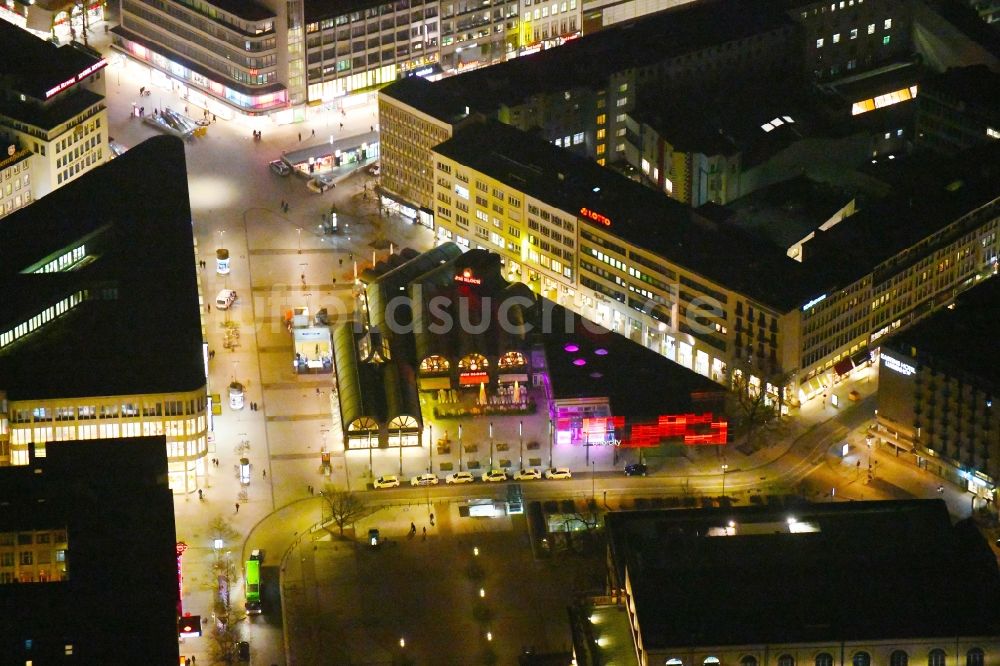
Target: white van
(225,299)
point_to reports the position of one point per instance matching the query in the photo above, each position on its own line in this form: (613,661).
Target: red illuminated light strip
(76,79)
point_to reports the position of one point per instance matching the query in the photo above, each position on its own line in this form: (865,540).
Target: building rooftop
(250,11)
(417,92)
(585,360)
(976,85)
(788,211)
(139,329)
(927,196)
(33,66)
(121,567)
(963,336)
(831,572)
(644,217)
(588,62)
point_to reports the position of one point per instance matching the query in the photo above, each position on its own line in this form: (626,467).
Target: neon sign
(470,378)
(815,301)
(467,277)
(594,216)
(76,79)
(896,365)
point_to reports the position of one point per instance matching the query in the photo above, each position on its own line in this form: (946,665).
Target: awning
(861,357)
(843,366)
(814,385)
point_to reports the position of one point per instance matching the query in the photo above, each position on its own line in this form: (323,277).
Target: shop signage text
(896,365)
(594,216)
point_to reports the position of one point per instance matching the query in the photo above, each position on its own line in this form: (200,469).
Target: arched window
(898,658)
(711,661)
(861,659)
(786,660)
(936,657)
(974,657)
(748,660)
(674,662)
(824,659)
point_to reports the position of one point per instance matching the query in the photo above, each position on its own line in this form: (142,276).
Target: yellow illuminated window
(600,134)
(600,149)
(602,119)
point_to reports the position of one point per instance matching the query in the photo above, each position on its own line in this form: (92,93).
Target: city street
(281,259)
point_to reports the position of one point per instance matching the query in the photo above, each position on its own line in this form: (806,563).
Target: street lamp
(491,446)
(552,435)
(299,230)
(725,468)
(593,480)
(400,451)
(459,447)
(430,449)
(520,435)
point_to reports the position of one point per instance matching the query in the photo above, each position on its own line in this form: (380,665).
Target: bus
(252,581)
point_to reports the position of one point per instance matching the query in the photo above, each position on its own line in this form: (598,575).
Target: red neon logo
(595,217)
(467,277)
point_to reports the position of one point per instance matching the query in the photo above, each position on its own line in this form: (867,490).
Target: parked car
(460,477)
(527,474)
(424,480)
(244,471)
(558,473)
(280,167)
(375,169)
(321,183)
(225,299)
(635,469)
(495,475)
(388,481)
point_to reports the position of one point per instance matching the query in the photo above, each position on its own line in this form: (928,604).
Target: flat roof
(251,11)
(112,500)
(962,338)
(638,214)
(831,572)
(588,62)
(585,360)
(62,108)
(976,84)
(788,211)
(35,66)
(417,92)
(140,332)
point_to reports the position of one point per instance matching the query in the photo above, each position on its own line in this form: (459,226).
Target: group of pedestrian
(211,354)
(256,135)
(215,461)
(311,490)
(190,661)
(202,264)
(253,407)
(284,206)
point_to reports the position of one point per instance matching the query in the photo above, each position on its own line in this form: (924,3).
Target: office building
(53,105)
(15,179)
(698,288)
(938,382)
(957,109)
(88,568)
(806,584)
(842,38)
(100,333)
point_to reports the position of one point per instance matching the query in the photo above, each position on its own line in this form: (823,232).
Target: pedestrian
(341,261)
(300,136)
(213,117)
(341,125)
(314,133)
(208,307)
(425,533)
(237,507)
(303,276)
(372,128)
(194,660)
(317,390)
(185,108)
(265,473)
(432,520)
(187,662)
(413,528)
(350,255)
(201,494)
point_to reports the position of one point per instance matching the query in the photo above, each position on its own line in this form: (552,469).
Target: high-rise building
(957,109)
(52,103)
(100,331)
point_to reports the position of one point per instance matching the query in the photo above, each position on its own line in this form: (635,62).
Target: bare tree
(221,528)
(345,507)
(758,412)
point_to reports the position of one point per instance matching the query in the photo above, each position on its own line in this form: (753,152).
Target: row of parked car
(490,476)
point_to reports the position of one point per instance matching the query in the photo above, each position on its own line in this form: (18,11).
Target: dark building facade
(88,568)
(958,109)
(937,385)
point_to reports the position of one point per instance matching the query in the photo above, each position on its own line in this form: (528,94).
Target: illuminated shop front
(335,154)
(199,88)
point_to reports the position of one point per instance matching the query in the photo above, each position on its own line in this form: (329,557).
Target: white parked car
(321,183)
(460,477)
(526,474)
(424,480)
(388,481)
(495,475)
(280,167)
(558,473)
